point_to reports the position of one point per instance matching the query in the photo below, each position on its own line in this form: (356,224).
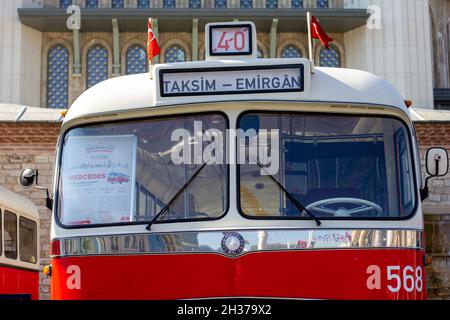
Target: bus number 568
(409,278)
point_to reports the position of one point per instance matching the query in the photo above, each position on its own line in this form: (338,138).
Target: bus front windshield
(336,166)
(127,171)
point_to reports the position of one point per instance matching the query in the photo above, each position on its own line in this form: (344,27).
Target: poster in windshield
(98,182)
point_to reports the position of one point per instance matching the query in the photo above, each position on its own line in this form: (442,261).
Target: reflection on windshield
(124,172)
(336,166)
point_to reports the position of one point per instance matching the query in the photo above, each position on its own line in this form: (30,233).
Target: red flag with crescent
(152,44)
(317,32)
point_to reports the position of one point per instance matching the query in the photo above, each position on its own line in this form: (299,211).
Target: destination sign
(231,80)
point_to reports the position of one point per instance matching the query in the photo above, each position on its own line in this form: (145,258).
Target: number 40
(238,41)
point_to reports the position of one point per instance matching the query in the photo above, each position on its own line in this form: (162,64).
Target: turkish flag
(152,45)
(318,33)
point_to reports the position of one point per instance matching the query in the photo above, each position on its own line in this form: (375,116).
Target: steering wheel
(364,206)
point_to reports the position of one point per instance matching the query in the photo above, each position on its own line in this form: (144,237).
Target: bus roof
(329,85)
(17,204)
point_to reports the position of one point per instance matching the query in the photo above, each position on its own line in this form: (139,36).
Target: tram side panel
(18,283)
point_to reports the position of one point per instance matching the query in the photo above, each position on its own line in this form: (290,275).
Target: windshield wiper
(175,197)
(296,203)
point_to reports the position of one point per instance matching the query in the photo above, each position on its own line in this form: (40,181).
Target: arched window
(169,4)
(57,77)
(271,4)
(97,65)
(297,3)
(322,3)
(260,53)
(195,4)
(116,4)
(65,3)
(136,60)
(143,4)
(90,4)
(246,4)
(291,51)
(330,57)
(220,4)
(175,53)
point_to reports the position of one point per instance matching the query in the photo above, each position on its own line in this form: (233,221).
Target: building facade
(53,62)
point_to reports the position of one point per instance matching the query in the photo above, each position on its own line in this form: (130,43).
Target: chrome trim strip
(255,241)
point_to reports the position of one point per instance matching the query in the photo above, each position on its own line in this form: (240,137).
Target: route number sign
(231,39)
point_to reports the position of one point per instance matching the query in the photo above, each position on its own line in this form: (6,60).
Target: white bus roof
(17,204)
(329,85)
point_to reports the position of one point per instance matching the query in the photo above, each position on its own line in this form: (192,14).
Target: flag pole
(310,42)
(150,59)
(150,69)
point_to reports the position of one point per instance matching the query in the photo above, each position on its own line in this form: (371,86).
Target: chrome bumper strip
(252,240)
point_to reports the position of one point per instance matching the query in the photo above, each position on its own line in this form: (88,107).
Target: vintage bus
(239,177)
(19,247)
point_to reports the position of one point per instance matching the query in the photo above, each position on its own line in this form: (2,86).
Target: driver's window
(405,173)
(10,220)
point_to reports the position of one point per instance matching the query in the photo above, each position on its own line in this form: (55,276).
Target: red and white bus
(19,247)
(325,205)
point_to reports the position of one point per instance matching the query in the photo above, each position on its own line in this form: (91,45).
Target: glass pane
(10,240)
(97,65)
(195,4)
(143,4)
(330,57)
(175,53)
(136,60)
(291,51)
(322,3)
(28,240)
(336,166)
(169,4)
(58,77)
(260,53)
(246,4)
(220,4)
(297,3)
(272,4)
(116,4)
(128,171)
(90,4)
(64,3)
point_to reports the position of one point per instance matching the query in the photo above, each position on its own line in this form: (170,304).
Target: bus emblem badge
(233,243)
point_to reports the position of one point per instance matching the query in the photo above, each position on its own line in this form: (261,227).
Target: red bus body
(19,283)
(19,247)
(302,275)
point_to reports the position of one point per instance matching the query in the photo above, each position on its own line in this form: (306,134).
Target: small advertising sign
(98,179)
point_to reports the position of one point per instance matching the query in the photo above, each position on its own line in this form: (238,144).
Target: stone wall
(30,145)
(436,212)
